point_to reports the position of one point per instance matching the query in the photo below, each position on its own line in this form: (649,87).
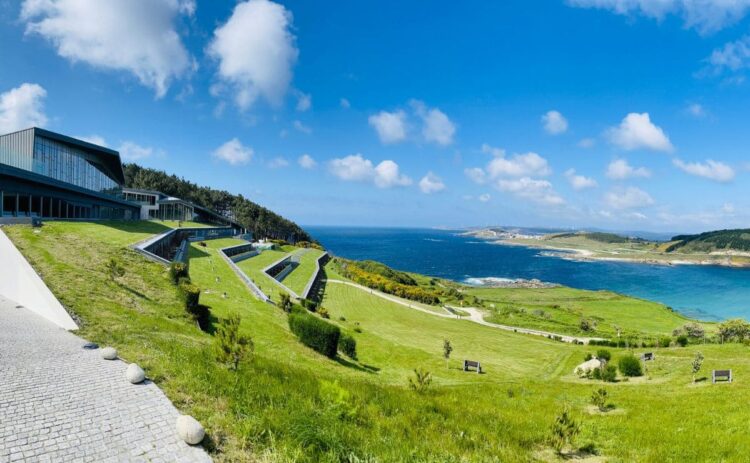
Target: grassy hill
(289,404)
(720,240)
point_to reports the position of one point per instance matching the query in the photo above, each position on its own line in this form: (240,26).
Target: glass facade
(70,165)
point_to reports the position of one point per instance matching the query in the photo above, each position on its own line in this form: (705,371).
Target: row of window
(67,164)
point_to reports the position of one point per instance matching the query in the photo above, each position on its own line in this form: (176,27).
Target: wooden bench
(472,364)
(648,356)
(725,375)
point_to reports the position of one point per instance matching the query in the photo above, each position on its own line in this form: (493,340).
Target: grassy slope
(565,307)
(253,268)
(273,408)
(298,278)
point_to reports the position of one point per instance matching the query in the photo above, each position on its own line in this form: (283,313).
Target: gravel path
(61,402)
(475,315)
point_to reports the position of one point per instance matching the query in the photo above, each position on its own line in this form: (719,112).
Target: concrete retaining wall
(20,283)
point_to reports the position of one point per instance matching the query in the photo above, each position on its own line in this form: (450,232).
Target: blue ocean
(704,292)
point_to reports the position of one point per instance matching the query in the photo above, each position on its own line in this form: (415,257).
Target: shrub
(586,325)
(323,312)
(564,430)
(682,340)
(285,302)
(630,366)
(178,270)
(596,373)
(587,357)
(665,342)
(315,333)
(604,354)
(230,346)
(191,295)
(599,399)
(348,345)
(609,373)
(115,269)
(421,380)
(312,306)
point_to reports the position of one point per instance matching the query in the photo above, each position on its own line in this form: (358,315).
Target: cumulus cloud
(538,191)
(494,151)
(431,183)
(300,127)
(278,163)
(704,15)
(306,162)
(554,123)
(636,131)
(390,126)
(304,102)
(256,52)
(732,57)
(628,198)
(130,151)
(234,153)
(712,170)
(436,126)
(136,36)
(484,197)
(94,140)
(520,165)
(579,182)
(619,169)
(476,174)
(355,168)
(22,107)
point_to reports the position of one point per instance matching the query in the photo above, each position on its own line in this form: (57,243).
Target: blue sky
(617,114)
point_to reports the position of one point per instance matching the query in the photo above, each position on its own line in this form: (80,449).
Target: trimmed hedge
(630,366)
(191,295)
(315,333)
(348,345)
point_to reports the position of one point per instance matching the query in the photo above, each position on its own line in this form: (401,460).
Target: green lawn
(562,309)
(298,278)
(253,268)
(289,404)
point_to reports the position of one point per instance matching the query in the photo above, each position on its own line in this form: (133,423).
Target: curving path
(475,315)
(60,402)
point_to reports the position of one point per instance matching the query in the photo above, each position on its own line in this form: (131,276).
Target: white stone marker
(190,430)
(135,374)
(109,353)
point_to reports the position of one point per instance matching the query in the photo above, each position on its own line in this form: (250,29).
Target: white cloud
(484,197)
(587,143)
(732,57)
(628,198)
(306,162)
(304,102)
(538,191)
(256,52)
(130,151)
(22,107)
(437,127)
(431,183)
(712,170)
(704,15)
(619,169)
(636,131)
(345,103)
(355,168)
(234,152)
(520,165)
(390,126)
(696,110)
(579,182)
(497,152)
(476,175)
(136,36)
(554,123)
(278,163)
(299,126)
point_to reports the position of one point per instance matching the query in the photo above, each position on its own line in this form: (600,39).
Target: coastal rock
(190,430)
(109,353)
(135,374)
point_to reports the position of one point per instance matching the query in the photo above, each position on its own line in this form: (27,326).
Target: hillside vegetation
(287,403)
(720,240)
(262,222)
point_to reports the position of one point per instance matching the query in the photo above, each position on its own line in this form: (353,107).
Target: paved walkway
(475,315)
(60,402)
